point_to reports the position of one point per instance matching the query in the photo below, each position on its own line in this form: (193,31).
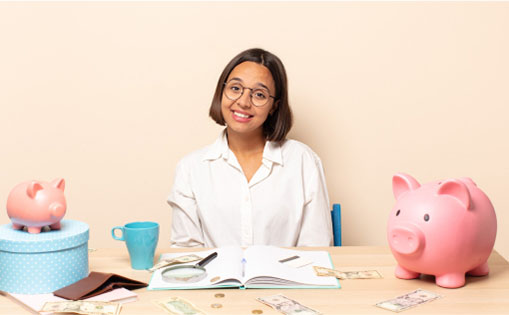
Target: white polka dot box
(44,262)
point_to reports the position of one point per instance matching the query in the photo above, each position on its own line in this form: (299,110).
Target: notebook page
(263,261)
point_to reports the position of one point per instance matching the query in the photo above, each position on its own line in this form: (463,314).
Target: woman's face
(240,115)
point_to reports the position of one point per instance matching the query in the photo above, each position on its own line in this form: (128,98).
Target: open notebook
(261,269)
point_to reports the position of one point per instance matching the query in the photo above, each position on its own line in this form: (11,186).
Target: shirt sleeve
(316,227)
(185,225)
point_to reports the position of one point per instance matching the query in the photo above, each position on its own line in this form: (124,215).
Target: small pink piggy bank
(444,228)
(36,204)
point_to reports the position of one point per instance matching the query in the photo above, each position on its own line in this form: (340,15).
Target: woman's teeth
(240,115)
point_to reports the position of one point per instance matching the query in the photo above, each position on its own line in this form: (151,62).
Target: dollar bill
(173,261)
(287,306)
(325,272)
(408,300)
(364,274)
(178,306)
(82,307)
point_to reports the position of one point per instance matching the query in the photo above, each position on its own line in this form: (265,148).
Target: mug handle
(121,228)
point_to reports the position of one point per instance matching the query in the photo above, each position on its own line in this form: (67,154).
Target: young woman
(252,186)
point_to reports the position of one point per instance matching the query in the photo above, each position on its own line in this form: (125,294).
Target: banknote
(325,272)
(179,306)
(363,274)
(82,307)
(287,306)
(408,300)
(173,261)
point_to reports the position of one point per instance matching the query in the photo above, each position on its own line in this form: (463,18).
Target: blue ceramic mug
(141,241)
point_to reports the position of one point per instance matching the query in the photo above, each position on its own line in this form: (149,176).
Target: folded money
(287,306)
(174,261)
(82,307)
(363,274)
(409,300)
(178,306)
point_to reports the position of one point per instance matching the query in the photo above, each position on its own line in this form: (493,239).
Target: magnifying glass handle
(207,259)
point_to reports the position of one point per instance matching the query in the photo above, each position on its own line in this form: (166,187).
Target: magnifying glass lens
(186,275)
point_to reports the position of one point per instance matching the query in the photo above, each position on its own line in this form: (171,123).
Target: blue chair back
(336,223)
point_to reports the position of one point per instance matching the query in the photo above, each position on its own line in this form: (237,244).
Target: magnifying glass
(188,273)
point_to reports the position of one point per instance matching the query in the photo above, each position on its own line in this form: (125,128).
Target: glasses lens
(233,90)
(260,97)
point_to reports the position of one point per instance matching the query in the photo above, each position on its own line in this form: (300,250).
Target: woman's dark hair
(279,121)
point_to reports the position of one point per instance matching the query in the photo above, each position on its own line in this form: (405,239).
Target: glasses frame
(250,94)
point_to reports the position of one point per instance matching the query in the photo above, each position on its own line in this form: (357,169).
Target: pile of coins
(218,296)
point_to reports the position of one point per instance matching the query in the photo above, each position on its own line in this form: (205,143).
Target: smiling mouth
(242,115)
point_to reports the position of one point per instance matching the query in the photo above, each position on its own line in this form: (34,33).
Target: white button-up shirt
(284,204)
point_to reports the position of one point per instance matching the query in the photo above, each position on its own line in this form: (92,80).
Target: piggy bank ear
(33,188)
(401,183)
(58,183)
(468,180)
(456,189)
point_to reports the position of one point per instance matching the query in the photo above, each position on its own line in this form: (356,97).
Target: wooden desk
(481,295)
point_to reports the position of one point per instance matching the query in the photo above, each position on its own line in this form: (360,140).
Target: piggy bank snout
(406,240)
(57,209)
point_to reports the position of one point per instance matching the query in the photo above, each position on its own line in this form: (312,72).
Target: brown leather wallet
(97,283)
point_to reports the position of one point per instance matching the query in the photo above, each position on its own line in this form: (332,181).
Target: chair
(336,223)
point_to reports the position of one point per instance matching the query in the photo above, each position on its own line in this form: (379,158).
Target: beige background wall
(111,95)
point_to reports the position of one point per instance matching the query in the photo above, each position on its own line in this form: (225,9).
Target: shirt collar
(271,151)
(218,149)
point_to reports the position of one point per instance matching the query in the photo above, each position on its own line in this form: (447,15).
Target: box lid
(72,233)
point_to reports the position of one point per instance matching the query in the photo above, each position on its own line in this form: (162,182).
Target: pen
(243,261)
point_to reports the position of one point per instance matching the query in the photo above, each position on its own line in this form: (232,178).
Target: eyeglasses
(234,90)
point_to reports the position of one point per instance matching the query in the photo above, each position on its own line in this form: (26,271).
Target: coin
(215,279)
(219,295)
(257,311)
(216,305)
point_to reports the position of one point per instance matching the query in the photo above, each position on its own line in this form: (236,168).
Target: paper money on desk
(178,306)
(83,307)
(173,261)
(34,302)
(364,274)
(409,300)
(287,306)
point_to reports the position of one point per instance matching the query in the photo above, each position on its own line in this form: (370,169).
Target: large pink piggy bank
(443,228)
(36,204)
